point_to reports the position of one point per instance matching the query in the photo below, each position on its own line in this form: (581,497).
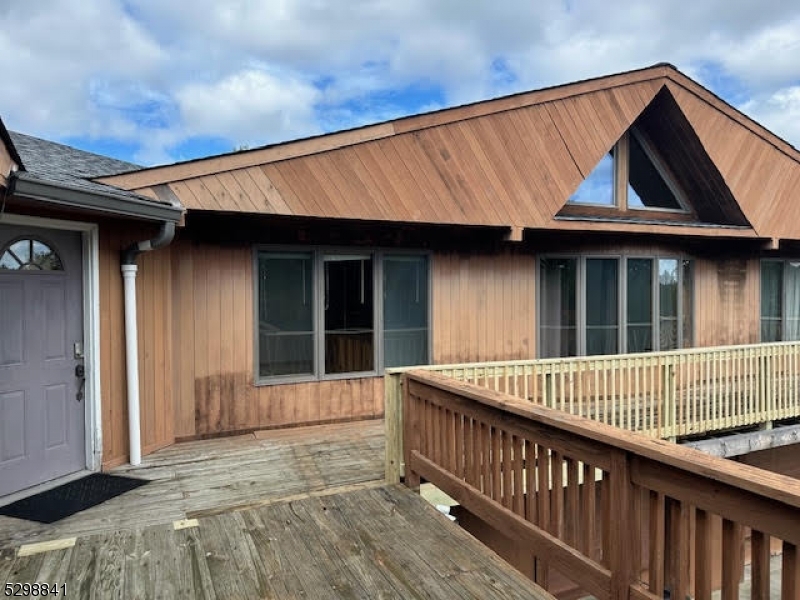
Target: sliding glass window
(780,300)
(338,314)
(558,302)
(668,304)
(405,310)
(349,314)
(285,314)
(640,304)
(602,306)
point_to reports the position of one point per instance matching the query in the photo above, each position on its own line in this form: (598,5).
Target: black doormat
(70,498)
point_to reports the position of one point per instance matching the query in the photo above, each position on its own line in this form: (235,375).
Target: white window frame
(318,254)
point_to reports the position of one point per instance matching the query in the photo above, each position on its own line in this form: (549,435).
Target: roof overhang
(110,203)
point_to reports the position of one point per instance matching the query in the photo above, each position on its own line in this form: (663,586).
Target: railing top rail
(772,486)
(593,358)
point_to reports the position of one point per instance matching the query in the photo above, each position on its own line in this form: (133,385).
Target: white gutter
(129,269)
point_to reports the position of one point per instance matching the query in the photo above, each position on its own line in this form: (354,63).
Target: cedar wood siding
(156,343)
(199,381)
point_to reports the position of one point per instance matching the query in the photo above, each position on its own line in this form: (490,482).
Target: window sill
(292,379)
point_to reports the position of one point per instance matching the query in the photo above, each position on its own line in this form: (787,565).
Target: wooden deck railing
(661,394)
(620,515)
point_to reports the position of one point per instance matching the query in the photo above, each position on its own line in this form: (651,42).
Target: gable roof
(512,161)
(53,172)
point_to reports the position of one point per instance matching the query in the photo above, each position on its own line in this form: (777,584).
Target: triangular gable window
(648,186)
(632,159)
(598,188)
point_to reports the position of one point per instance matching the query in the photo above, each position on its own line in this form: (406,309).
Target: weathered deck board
(382,542)
(211,476)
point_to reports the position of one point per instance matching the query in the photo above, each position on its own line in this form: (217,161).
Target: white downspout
(132,363)
(129,268)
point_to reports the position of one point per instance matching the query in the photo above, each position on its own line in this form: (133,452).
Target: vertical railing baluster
(759,565)
(790,572)
(731,559)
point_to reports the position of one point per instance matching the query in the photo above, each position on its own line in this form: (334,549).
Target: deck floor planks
(109,565)
(382,542)
(342,553)
(265,555)
(211,475)
(7,558)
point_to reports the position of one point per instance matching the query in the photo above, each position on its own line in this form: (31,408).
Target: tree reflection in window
(29,255)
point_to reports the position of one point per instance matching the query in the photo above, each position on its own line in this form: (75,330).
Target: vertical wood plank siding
(727,302)
(196,335)
(483,307)
(213,376)
(154,316)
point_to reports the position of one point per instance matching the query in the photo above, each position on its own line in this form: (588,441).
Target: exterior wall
(213,380)
(154,317)
(726,290)
(727,301)
(483,307)
(195,304)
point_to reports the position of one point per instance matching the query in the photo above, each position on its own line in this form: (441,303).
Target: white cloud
(779,112)
(159,72)
(248,106)
(53,51)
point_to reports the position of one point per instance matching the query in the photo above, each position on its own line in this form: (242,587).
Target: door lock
(80,373)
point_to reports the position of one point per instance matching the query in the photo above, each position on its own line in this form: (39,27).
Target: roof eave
(109,202)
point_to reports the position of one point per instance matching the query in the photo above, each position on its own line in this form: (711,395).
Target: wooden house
(628,213)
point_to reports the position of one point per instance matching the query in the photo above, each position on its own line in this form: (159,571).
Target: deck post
(393,423)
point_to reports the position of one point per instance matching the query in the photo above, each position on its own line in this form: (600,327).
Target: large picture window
(780,300)
(334,314)
(610,305)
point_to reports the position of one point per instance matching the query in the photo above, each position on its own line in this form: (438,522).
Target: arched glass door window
(30,254)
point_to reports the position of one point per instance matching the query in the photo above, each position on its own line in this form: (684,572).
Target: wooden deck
(199,478)
(293,514)
(374,543)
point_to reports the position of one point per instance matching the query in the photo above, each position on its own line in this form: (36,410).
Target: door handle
(80,373)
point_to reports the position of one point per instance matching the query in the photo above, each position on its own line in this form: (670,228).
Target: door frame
(90,279)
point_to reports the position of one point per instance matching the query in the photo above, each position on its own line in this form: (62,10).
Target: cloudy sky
(156,81)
